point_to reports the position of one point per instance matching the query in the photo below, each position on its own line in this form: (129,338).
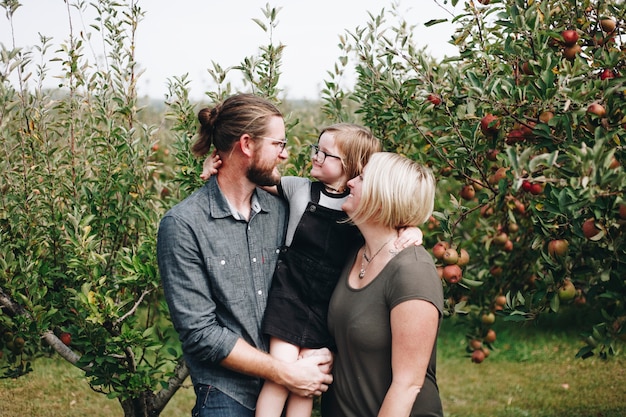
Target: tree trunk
(149,404)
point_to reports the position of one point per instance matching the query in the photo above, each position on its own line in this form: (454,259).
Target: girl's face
(329,169)
(353,200)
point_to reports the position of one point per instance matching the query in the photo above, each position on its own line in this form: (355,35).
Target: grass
(532,372)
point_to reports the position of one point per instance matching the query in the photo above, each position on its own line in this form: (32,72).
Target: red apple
(490,337)
(570,52)
(546,116)
(590,229)
(536,188)
(570,37)
(500,238)
(464,258)
(566,291)
(478,356)
(434,99)
(526,69)
(66,338)
(439,249)
(514,136)
(607,74)
(490,124)
(440,271)
(500,174)
(608,25)
(452,273)
(450,257)
(526,186)
(614,163)
(486,210)
(500,300)
(488,318)
(468,192)
(492,154)
(475,344)
(597,109)
(495,270)
(622,211)
(558,247)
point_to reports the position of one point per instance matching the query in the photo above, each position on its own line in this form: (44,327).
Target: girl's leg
(273,396)
(298,406)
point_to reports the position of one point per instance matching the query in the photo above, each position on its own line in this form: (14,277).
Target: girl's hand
(408,236)
(211,165)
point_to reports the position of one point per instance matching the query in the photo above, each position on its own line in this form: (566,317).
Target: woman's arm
(411,347)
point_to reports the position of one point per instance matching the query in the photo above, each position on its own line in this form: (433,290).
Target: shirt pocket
(230,280)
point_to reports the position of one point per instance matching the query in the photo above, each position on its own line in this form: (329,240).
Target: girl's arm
(211,166)
(408,236)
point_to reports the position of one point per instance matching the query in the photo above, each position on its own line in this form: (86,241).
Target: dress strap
(316,189)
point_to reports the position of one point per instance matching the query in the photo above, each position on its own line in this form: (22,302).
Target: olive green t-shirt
(359,320)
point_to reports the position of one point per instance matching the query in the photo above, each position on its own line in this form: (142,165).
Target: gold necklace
(369,260)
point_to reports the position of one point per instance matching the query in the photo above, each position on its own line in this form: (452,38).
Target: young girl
(317,244)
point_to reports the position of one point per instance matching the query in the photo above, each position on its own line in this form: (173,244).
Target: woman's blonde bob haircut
(396,192)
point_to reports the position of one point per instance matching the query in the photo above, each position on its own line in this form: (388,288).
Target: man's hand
(310,376)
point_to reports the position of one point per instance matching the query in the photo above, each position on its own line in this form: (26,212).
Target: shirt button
(260,292)
(222,262)
(253,259)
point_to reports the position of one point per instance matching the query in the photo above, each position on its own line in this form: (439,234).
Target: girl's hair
(396,192)
(356,144)
(224,124)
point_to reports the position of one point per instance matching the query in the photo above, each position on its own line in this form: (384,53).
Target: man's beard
(262,175)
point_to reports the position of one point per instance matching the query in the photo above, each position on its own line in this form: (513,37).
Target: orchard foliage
(525,129)
(84,181)
(79,210)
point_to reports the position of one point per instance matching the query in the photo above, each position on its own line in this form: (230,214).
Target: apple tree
(525,130)
(79,207)
(85,176)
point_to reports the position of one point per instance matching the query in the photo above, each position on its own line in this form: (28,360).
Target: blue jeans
(213,403)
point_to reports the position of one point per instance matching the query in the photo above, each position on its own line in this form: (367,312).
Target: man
(217,251)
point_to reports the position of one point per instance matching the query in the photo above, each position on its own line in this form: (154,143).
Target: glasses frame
(281,143)
(315,152)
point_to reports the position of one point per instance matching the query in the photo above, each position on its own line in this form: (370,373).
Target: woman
(387,307)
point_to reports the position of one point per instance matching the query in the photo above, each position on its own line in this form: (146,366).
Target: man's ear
(246,144)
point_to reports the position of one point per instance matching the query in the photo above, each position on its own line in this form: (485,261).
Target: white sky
(184,36)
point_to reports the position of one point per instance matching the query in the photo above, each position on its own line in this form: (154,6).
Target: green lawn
(533,372)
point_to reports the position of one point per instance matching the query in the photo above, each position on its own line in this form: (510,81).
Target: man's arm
(309,376)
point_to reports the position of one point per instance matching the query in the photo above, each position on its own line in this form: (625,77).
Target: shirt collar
(220,206)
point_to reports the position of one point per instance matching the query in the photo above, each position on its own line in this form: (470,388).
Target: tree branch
(181,372)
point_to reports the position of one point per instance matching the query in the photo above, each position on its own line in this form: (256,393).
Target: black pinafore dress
(306,274)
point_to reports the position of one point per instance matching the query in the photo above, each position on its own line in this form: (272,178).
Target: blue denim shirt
(216,271)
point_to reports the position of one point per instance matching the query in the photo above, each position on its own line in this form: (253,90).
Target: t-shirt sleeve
(289,185)
(415,278)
